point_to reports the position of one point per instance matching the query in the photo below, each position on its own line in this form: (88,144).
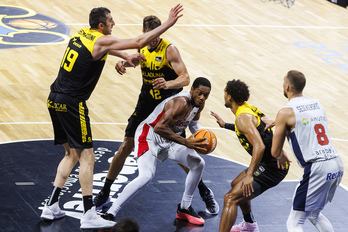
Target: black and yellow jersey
(155,66)
(79,73)
(266,136)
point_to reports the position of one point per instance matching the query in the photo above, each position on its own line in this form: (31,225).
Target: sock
(107,186)
(87,203)
(249,217)
(186,201)
(54,196)
(202,188)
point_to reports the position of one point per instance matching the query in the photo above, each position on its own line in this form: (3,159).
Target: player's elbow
(186,79)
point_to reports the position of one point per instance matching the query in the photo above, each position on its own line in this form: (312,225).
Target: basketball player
(80,70)
(164,74)
(158,136)
(262,173)
(303,121)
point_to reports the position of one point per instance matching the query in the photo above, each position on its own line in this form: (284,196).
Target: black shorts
(143,109)
(70,120)
(267,176)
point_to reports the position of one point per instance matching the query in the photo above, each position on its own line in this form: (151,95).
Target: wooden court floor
(255,41)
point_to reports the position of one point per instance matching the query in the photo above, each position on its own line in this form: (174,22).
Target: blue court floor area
(28,170)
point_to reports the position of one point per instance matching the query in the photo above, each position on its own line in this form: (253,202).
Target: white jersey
(310,140)
(145,131)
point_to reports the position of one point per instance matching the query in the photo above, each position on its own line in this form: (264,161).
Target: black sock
(248,217)
(202,187)
(107,186)
(54,196)
(87,203)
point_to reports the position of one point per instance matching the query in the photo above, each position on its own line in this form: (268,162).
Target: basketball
(211,139)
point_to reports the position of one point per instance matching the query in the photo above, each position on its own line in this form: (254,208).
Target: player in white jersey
(303,121)
(158,136)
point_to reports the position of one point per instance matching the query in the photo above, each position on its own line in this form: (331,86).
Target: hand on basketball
(197,144)
(218,119)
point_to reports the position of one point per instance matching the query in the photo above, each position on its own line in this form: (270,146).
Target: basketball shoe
(92,220)
(189,215)
(101,199)
(212,207)
(245,227)
(52,212)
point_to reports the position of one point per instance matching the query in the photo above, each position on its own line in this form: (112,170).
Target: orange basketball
(211,139)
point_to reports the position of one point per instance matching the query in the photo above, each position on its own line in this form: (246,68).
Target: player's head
(237,91)
(149,23)
(200,91)
(101,19)
(294,82)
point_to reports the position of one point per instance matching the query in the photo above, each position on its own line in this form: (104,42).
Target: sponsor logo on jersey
(305,121)
(23,27)
(158,58)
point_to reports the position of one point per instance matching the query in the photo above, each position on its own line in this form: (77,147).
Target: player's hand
(218,119)
(269,122)
(134,59)
(247,186)
(120,67)
(174,14)
(159,83)
(196,144)
(283,161)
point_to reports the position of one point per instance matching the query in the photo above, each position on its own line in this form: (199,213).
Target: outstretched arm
(222,123)
(106,43)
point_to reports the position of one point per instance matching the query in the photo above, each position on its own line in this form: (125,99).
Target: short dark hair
(238,90)
(98,15)
(201,81)
(126,225)
(297,81)
(151,22)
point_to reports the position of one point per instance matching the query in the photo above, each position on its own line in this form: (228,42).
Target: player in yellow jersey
(164,74)
(262,173)
(78,75)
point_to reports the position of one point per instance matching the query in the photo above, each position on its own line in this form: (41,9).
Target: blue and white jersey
(310,140)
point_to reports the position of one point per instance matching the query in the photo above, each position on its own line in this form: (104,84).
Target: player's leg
(232,200)
(207,195)
(320,221)
(195,163)
(147,169)
(51,209)
(296,220)
(118,161)
(115,168)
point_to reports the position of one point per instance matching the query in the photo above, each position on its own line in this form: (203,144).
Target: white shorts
(318,185)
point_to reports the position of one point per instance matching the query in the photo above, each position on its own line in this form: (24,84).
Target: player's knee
(126,147)
(230,199)
(196,163)
(147,176)
(293,226)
